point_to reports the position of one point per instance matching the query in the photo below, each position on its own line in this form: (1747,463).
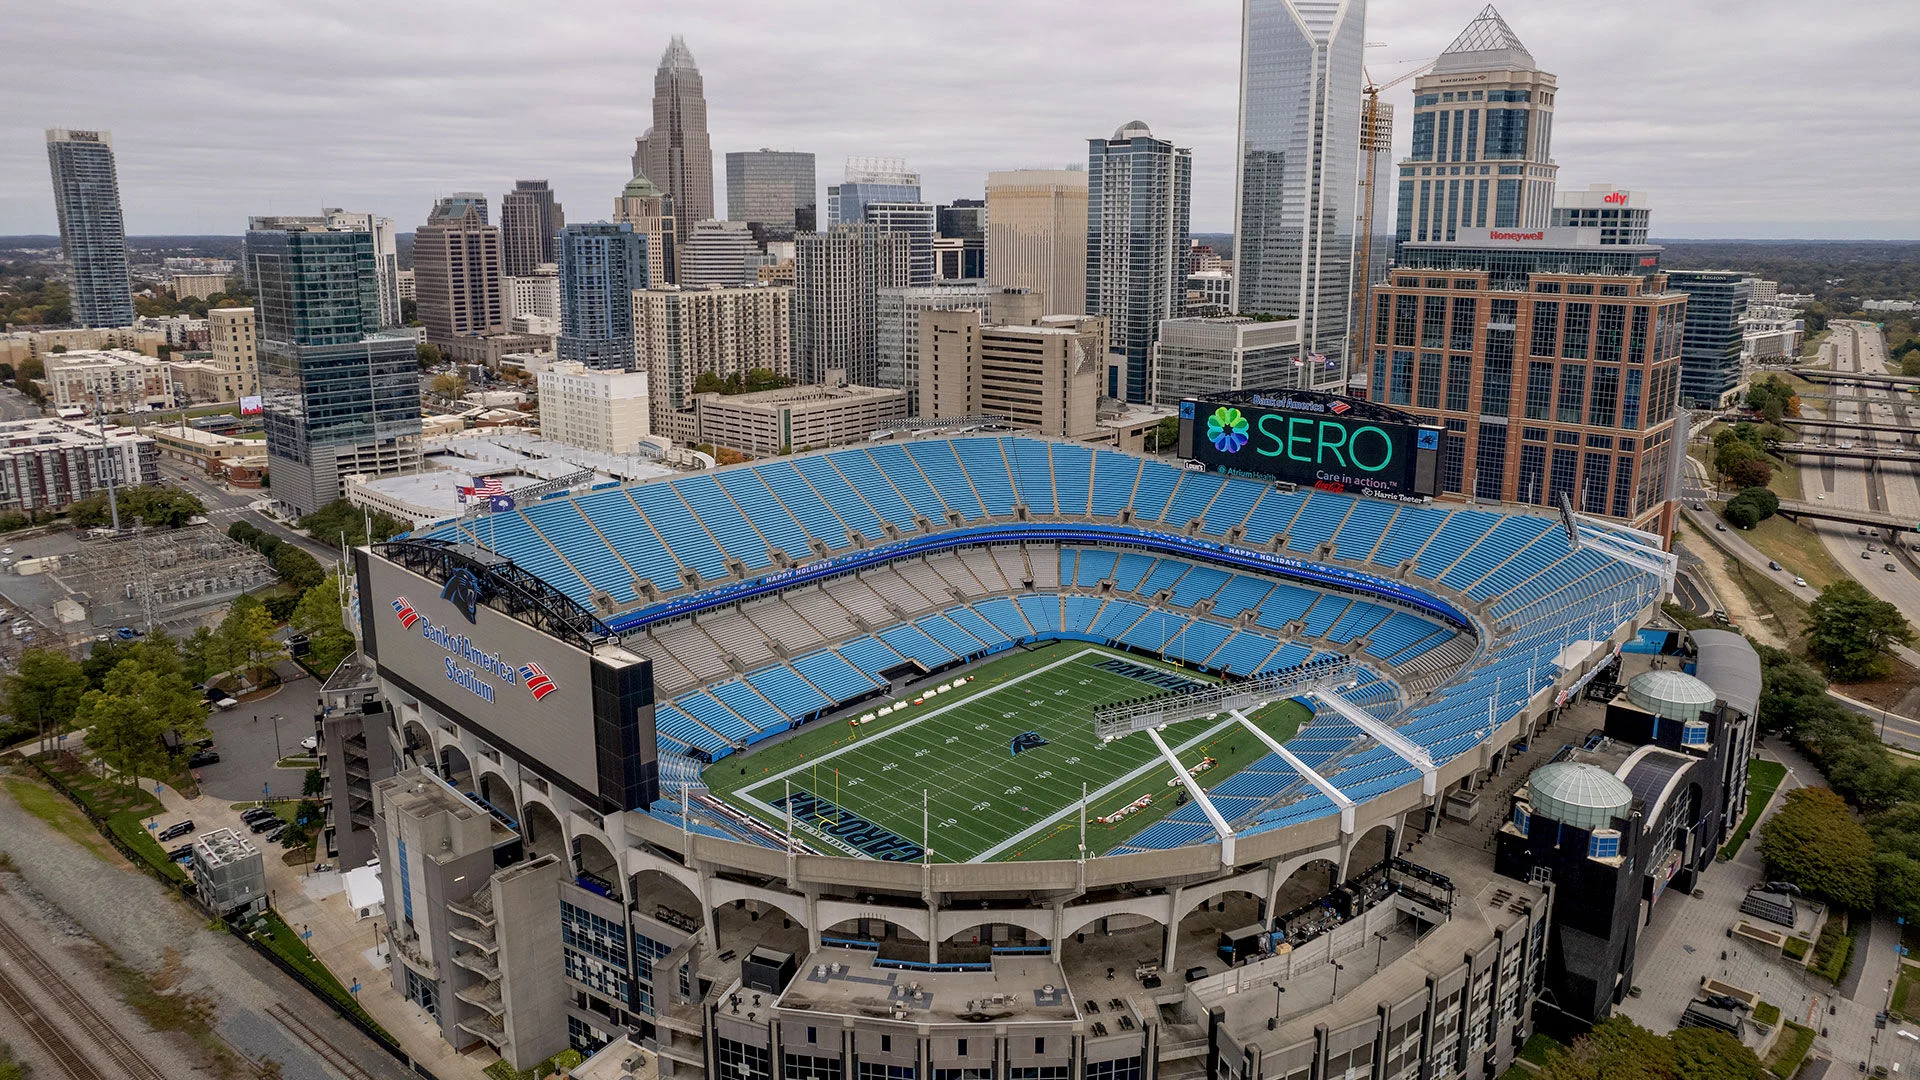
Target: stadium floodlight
(1160,710)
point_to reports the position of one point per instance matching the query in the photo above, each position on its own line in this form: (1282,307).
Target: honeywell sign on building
(583,720)
(1553,237)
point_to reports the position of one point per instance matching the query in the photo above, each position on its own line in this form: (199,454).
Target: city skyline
(1755,171)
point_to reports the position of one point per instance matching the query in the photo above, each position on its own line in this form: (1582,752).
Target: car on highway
(1867,554)
(174,831)
(1719,526)
(1774,565)
(1800,582)
(1890,568)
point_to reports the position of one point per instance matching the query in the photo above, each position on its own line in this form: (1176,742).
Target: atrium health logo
(1227,429)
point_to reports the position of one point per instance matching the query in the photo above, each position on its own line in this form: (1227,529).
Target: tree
(318,616)
(247,635)
(1790,691)
(1751,507)
(1163,435)
(202,655)
(130,715)
(449,385)
(1772,398)
(340,522)
(312,783)
(45,690)
(296,567)
(160,507)
(1705,1054)
(429,354)
(1751,470)
(1813,842)
(1852,633)
(1616,1049)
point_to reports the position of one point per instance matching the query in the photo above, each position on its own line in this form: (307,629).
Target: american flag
(488,487)
(537,682)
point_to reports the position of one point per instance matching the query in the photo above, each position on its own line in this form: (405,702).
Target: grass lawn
(557,1064)
(1539,1049)
(958,747)
(1797,548)
(1790,1050)
(1771,601)
(1763,778)
(53,808)
(1906,1001)
(285,941)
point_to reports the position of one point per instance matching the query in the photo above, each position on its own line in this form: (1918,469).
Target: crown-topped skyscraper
(676,153)
(1482,131)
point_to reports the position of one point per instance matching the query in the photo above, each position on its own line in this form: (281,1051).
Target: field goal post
(1126,717)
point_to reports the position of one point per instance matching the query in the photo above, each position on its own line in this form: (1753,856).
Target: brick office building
(1552,361)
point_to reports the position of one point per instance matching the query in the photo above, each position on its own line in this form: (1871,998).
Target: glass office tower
(773,189)
(1139,203)
(86,196)
(341,397)
(601,264)
(1300,100)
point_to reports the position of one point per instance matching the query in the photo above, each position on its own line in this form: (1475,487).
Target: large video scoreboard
(1314,440)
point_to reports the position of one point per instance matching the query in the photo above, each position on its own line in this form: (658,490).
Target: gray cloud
(1742,118)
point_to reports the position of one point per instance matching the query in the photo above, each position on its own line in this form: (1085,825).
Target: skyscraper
(528,219)
(836,277)
(897,324)
(1037,235)
(718,253)
(1139,199)
(601,264)
(918,220)
(1482,129)
(1711,373)
(961,248)
(341,396)
(675,153)
(1300,81)
(86,196)
(456,270)
(870,179)
(773,189)
(386,249)
(650,211)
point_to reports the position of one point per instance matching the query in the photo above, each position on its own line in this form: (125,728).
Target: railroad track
(319,1043)
(55,988)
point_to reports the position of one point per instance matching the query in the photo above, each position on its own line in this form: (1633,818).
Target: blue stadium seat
(974,623)
(986,467)
(1271,515)
(870,656)
(1243,653)
(671,518)
(1196,491)
(1238,594)
(788,691)
(865,477)
(1033,474)
(1006,617)
(1363,528)
(835,677)
(753,498)
(1157,479)
(909,642)
(937,461)
(1072,477)
(1199,583)
(832,487)
(1042,612)
(804,503)
(1463,529)
(957,641)
(1231,506)
(1129,571)
(1317,521)
(736,535)
(1114,479)
(894,462)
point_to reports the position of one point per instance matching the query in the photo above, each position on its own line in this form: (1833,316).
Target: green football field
(859,790)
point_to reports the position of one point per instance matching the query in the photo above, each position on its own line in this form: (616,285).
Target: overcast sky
(1743,118)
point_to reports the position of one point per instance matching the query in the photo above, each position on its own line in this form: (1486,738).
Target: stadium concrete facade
(576,694)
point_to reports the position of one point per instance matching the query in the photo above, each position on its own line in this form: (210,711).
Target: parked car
(203,757)
(175,831)
(310,743)
(265,823)
(225,703)
(184,851)
(273,834)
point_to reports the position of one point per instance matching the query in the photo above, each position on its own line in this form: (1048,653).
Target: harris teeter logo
(1227,429)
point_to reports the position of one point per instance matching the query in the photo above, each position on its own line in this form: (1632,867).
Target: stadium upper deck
(1259,577)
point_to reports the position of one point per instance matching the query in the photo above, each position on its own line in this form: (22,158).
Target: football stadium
(962,706)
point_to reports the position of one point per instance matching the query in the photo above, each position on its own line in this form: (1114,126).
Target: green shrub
(1766,1013)
(1796,948)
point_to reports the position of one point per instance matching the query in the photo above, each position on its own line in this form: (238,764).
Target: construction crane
(1376,135)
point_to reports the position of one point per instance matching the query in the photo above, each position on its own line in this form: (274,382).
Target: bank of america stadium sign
(471,667)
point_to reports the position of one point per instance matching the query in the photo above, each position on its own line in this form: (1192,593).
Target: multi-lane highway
(1887,486)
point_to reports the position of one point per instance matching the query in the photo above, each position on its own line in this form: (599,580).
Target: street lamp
(277,755)
(1277,991)
(1337,969)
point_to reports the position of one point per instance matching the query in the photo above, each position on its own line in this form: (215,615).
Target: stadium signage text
(469,666)
(1310,439)
(829,819)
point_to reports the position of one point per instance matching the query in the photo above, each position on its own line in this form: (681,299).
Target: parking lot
(244,738)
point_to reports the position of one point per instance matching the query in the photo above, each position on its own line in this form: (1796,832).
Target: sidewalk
(348,946)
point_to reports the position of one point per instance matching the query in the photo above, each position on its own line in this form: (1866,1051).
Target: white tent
(364,894)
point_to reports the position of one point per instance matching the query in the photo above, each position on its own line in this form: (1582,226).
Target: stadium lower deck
(800,591)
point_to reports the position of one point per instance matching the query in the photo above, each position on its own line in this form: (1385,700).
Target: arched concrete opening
(455,769)
(499,794)
(896,942)
(594,865)
(1369,849)
(977,943)
(540,831)
(417,744)
(663,897)
(774,920)
(1196,938)
(1311,883)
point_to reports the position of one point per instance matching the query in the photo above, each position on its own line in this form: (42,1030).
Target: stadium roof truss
(1326,787)
(1385,735)
(1127,717)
